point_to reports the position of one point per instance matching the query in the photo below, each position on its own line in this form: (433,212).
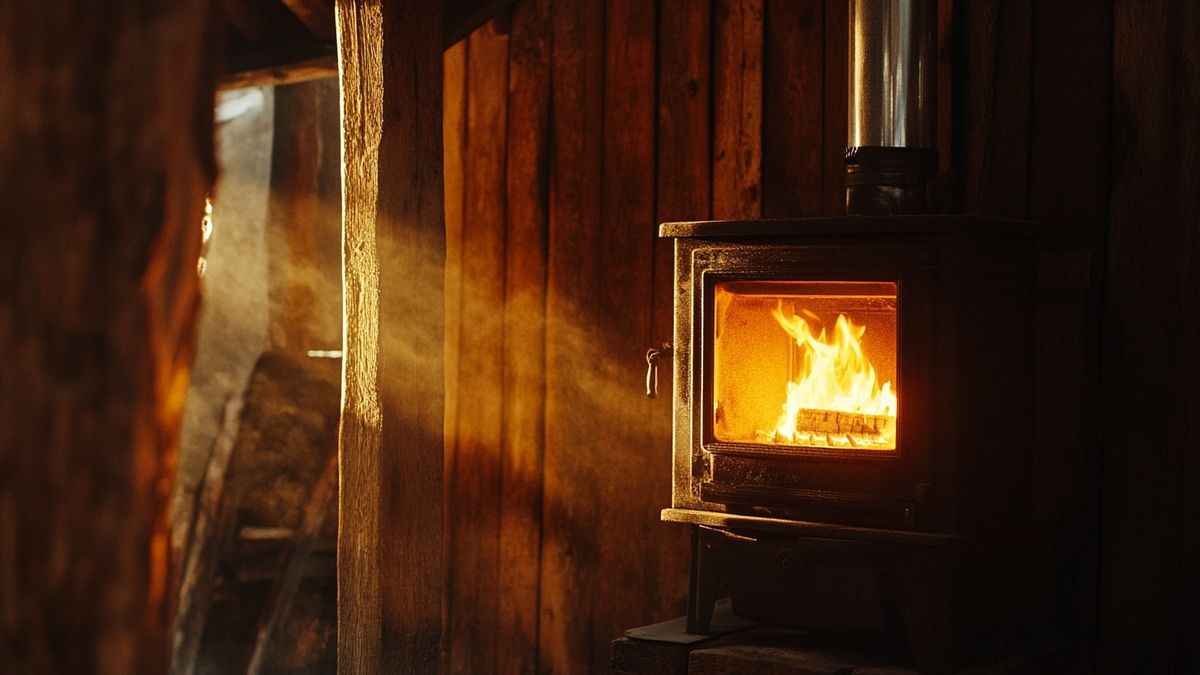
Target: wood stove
(851,411)
(852,396)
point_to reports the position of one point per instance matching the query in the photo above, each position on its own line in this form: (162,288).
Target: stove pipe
(891,158)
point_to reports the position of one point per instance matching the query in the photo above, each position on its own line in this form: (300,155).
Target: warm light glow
(835,376)
(805,363)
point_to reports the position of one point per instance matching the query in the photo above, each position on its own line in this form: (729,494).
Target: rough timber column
(390,498)
(105,157)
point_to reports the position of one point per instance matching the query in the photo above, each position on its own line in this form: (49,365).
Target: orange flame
(834,375)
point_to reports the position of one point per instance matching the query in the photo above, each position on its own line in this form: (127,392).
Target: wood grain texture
(631,581)
(684,150)
(391,442)
(1148,585)
(737,81)
(523,445)
(835,94)
(683,192)
(793,109)
(945,85)
(105,158)
(569,550)
(1068,197)
(454,144)
(291,73)
(473,481)
(992,92)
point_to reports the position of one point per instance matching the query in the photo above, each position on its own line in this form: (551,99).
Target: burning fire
(835,398)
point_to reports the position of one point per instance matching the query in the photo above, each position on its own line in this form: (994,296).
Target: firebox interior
(805,363)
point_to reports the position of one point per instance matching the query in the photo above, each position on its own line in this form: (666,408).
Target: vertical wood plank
(993,93)
(528,147)
(105,158)
(945,84)
(836,94)
(684,149)
(793,109)
(473,485)
(628,579)
(568,542)
(1068,198)
(737,81)
(684,192)
(1148,586)
(390,454)
(454,135)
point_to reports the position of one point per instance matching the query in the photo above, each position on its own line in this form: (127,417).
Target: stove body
(908,510)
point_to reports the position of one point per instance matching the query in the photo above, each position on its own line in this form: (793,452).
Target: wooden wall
(572,127)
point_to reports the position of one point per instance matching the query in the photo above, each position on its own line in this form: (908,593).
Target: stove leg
(705,581)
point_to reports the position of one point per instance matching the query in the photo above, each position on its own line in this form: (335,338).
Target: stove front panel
(800,386)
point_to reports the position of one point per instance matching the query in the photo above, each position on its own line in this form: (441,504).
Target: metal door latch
(653,356)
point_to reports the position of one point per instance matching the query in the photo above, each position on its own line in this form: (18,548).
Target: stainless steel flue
(893,73)
(892,127)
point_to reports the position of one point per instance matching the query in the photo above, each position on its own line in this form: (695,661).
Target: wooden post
(105,158)
(390,500)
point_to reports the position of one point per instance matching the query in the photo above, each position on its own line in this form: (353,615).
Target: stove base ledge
(807,529)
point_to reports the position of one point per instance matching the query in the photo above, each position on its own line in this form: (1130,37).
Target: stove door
(809,369)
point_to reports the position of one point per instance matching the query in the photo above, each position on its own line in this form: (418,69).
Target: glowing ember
(834,399)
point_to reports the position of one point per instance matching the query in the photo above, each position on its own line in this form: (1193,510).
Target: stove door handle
(653,356)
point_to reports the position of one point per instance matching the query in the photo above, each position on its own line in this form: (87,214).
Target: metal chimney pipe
(891,156)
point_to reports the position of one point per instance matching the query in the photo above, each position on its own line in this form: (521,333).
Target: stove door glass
(805,363)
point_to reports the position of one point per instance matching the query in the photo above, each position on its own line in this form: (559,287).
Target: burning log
(834,428)
(835,422)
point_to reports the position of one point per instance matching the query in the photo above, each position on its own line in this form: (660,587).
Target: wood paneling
(570,556)
(391,442)
(1149,590)
(473,478)
(737,108)
(1068,198)
(626,582)
(992,93)
(793,109)
(523,446)
(836,36)
(622,114)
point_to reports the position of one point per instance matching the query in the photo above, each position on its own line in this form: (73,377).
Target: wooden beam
(285,73)
(316,15)
(105,159)
(390,504)
(264,21)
